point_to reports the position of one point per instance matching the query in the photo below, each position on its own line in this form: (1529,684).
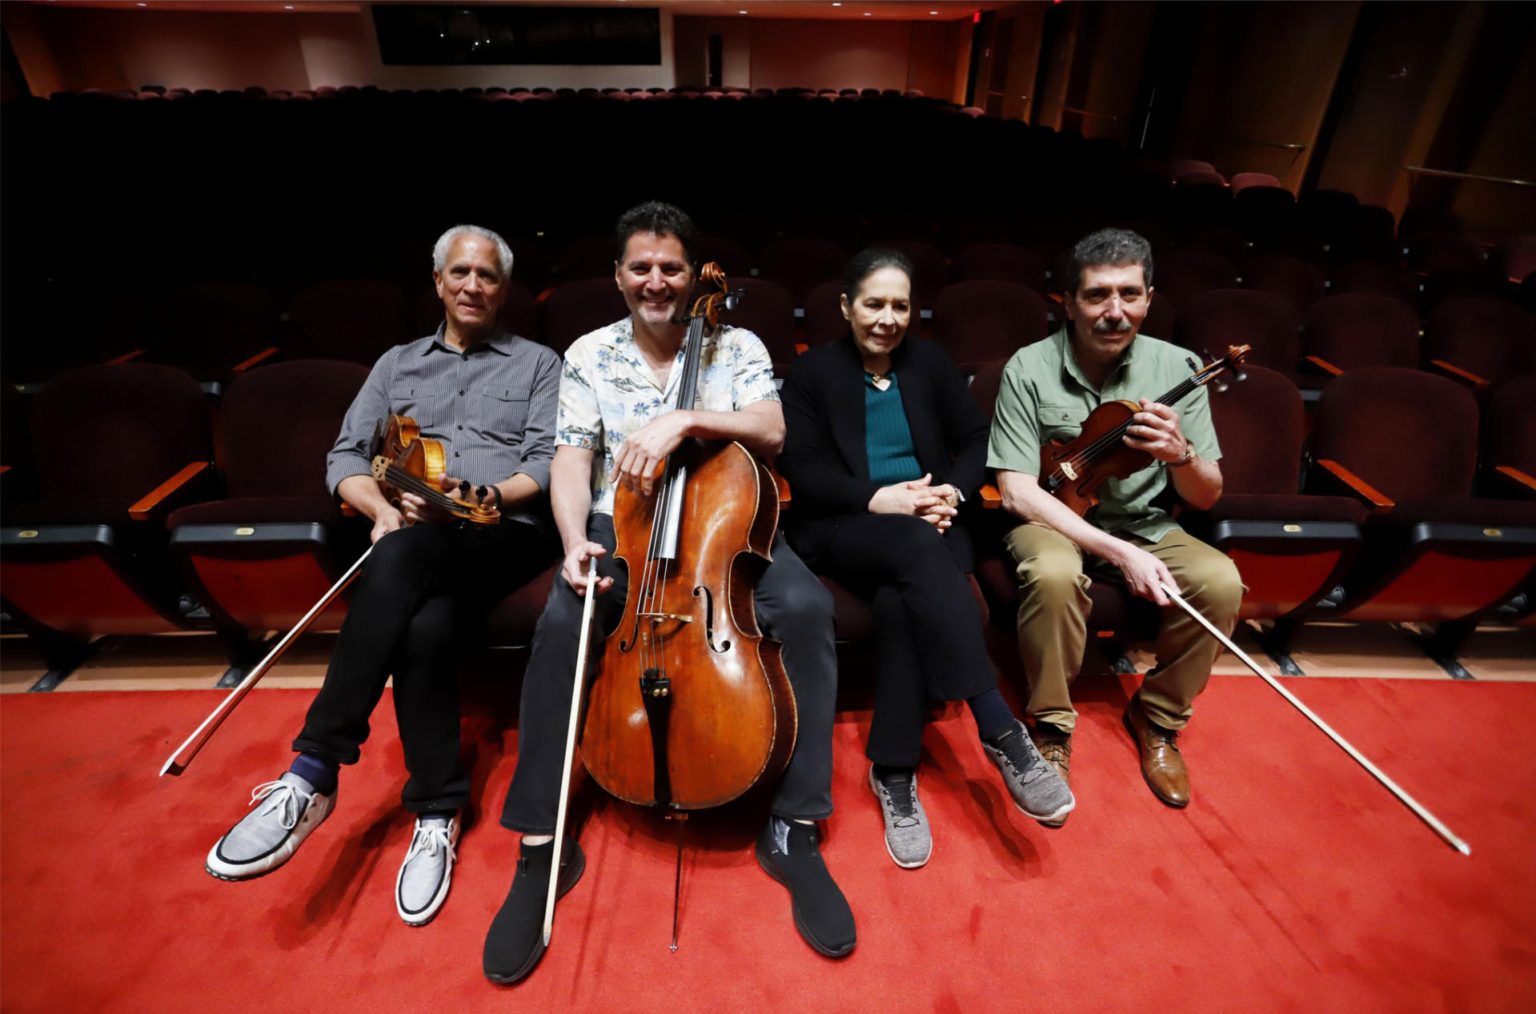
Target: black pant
(422,586)
(792,607)
(928,634)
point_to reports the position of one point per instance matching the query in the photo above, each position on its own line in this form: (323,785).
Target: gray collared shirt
(492,408)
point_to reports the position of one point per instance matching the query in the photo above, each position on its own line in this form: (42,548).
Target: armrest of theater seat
(1457,373)
(801,348)
(348,511)
(1523,482)
(256,360)
(164,496)
(991,497)
(1322,364)
(1379,501)
(125,357)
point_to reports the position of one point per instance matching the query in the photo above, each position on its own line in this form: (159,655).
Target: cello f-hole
(709,621)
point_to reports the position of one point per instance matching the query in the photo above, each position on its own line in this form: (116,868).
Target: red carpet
(1292,882)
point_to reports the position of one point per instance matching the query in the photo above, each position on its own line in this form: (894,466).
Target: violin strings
(405,481)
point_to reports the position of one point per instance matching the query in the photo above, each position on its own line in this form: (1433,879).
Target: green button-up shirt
(1045,396)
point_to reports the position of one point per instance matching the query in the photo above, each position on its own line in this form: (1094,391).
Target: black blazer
(824,456)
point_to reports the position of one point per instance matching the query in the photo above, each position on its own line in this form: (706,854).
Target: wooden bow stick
(577,684)
(183,756)
(1413,804)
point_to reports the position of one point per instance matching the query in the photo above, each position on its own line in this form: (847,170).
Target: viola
(406,461)
(690,705)
(1073,471)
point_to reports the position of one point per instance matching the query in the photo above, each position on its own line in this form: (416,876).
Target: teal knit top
(887,438)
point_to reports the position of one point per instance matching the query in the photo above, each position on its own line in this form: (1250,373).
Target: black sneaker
(515,941)
(790,852)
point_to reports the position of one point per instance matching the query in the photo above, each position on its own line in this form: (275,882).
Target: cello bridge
(678,617)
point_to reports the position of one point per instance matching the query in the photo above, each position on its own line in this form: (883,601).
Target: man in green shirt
(1048,389)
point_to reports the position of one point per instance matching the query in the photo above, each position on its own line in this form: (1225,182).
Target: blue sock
(993,718)
(317,771)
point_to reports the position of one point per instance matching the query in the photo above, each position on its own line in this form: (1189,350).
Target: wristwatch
(1189,455)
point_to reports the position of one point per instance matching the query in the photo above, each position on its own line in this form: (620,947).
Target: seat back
(280,421)
(116,432)
(1261,426)
(1363,329)
(767,310)
(981,321)
(352,320)
(1410,434)
(1510,432)
(1182,274)
(575,308)
(1492,338)
(1213,320)
(999,262)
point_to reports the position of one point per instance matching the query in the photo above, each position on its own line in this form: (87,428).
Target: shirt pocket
(504,414)
(1061,422)
(405,399)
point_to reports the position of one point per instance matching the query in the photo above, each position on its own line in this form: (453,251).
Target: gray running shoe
(1035,786)
(907,837)
(422,884)
(289,810)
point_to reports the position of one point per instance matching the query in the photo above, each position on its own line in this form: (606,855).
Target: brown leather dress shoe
(1055,747)
(1161,763)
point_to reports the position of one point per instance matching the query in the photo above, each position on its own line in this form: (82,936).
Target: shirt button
(455,454)
(460,427)
(461,394)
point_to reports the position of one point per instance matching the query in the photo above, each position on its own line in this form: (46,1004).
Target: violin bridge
(1069,471)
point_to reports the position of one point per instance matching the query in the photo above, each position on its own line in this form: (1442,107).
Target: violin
(1073,471)
(406,461)
(690,705)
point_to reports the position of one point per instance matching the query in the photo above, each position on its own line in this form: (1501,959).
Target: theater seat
(767,310)
(353,320)
(1350,331)
(1291,548)
(1211,321)
(115,448)
(1481,341)
(979,322)
(575,308)
(1405,442)
(262,555)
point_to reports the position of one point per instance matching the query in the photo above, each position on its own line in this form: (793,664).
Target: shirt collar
(501,342)
(1070,367)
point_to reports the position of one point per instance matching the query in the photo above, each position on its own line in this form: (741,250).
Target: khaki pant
(1053,621)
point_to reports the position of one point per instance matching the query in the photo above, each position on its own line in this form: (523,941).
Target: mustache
(1111,326)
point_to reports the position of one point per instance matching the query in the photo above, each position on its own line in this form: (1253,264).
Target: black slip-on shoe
(790,852)
(515,942)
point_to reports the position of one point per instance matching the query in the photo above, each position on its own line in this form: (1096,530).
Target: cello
(1072,471)
(690,705)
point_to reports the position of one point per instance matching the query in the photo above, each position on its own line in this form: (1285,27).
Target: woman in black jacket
(883,445)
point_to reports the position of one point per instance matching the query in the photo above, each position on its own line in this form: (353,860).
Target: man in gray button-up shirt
(490,398)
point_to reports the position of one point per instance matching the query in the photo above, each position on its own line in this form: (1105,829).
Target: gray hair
(1108,246)
(445,241)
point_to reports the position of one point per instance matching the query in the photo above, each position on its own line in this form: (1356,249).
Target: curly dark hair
(661,218)
(1108,246)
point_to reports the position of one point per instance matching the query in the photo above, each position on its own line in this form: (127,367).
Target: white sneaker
(422,885)
(264,840)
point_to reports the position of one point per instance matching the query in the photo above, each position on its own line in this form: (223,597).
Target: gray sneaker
(289,810)
(907,837)
(422,884)
(1035,786)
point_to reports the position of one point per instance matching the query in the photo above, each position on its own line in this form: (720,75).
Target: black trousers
(928,635)
(420,590)
(792,607)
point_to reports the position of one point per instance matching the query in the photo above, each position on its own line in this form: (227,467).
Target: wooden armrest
(801,348)
(1458,373)
(991,497)
(256,360)
(1322,364)
(125,357)
(1519,478)
(142,510)
(1378,500)
(348,511)
(4,469)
